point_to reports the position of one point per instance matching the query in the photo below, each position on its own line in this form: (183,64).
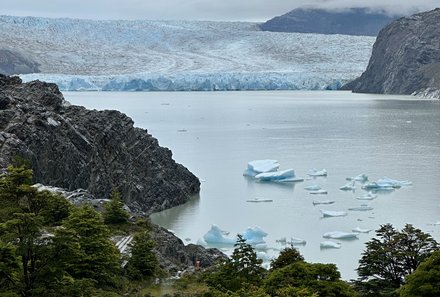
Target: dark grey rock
(13,62)
(354,21)
(405,58)
(72,147)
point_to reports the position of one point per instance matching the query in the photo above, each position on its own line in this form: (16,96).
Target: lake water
(215,134)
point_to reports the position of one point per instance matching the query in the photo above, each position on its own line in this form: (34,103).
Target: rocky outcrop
(405,58)
(13,62)
(72,147)
(354,21)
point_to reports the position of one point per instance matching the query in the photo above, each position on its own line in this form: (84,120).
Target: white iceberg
(340,235)
(259,166)
(316,172)
(216,236)
(287,175)
(254,235)
(386,183)
(333,213)
(259,200)
(328,244)
(318,192)
(312,188)
(368,196)
(360,230)
(360,178)
(348,186)
(363,207)
(317,202)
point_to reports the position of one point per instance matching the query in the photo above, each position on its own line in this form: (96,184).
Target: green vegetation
(49,247)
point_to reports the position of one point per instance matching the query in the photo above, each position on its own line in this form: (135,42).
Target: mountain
(354,21)
(72,147)
(182,55)
(405,58)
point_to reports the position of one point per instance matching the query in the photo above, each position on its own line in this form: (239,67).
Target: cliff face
(72,147)
(12,62)
(355,21)
(405,58)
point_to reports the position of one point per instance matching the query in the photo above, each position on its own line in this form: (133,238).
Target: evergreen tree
(97,257)
(143,262)
(114,212)
(286,257)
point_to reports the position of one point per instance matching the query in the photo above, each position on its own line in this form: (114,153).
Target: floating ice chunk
(348,186)
(328,244)
(216,235)
(282,240)
(297,241)
(287,175)
(260,246)
(333,213)
(396,183)
(318,192)
(340,235)
(312,188)
(375,186)
(360,178)
(360,230)
(259,200)
(316,172)
(363,207)
(254,235)
(368,196)
(316,202)
(259,166)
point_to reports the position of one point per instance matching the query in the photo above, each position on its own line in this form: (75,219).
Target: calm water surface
(215,134)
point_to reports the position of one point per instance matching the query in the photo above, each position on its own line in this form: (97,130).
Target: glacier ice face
(183,55)
(259,166)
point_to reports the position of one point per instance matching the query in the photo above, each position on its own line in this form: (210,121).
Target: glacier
(145,55)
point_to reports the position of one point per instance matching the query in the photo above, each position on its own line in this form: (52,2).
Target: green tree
(286,257)
(425,280)
(143,262)
(307,279)
(9,268)
(114,212)
(392,256)
(97,257)
(242,270)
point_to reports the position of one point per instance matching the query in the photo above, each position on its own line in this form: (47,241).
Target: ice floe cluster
(267,171)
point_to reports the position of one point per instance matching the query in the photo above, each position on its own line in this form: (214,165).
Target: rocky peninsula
(405,58)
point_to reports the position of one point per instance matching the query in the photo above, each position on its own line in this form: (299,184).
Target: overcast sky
(216,10)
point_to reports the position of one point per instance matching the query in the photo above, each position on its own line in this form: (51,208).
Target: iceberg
(256,200)
(363,207)
(318,192)
(316,172)
(259,166)
(254,235)
(287,175)
(312,188)
(360,230)
(340,235)
(386,183)
(332,213)
(328,244)
(360,178)
(216,236)
(297,241)
(316,202)
(348,187)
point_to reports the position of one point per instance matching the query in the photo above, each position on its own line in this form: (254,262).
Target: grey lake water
(215,134)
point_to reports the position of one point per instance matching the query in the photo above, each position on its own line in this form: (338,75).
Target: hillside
(405,58)
(355,21)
